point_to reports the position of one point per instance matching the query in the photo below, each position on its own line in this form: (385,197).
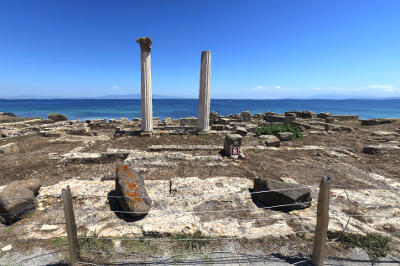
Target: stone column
(147,105)
(204,93)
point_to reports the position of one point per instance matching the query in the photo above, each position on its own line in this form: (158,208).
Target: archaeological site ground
(208,203)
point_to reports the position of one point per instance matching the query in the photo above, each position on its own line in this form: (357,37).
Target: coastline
(178,108)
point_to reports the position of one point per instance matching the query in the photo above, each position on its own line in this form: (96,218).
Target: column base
(202,132)
(146,133)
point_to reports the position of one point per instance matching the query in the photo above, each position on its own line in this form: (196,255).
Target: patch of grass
(143,245)
(87,245)
(376,245)
(275,129)
(60,241)
(8,229)
(184,244)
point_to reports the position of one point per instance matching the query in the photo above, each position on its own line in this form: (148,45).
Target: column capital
(144,43)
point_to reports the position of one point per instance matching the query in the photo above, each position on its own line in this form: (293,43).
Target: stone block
(131,189)
(213,117)
(232,140)
(241,131)
(282,196)
(274,118)
(290,117)
(270,140)
(189,121)
(17,200)
(251,128)
(373,150)
(285,136)
(245,116)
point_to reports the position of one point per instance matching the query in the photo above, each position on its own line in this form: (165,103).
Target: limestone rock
(271,117)
(383,133)
(49,134)
(213,117)
(301,125)
(189,121)
(370,122)
(79,131)
(345,117)
(331,127)
(307,114)
(303,114)
(373,122)
(168,121)
(323,115)
(285,136)
(241,131)
(95,123)
(251,128)
(217,127)
(245,116)
(330,119)
(6,248)
(271,140)
(156,121)
(293,195)
(8,148)
(371,150)
(130,186)
(223,120)
(18,199)
(347,129)
(290,117)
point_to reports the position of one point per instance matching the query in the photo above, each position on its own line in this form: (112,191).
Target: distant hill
(134,96)
(127,96)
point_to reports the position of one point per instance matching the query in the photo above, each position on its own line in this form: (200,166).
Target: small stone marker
(130,185)
(232,146)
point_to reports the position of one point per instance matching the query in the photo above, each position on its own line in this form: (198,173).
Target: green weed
(60,241)
(143,245)
(188,243)
(87,245)
(376,245)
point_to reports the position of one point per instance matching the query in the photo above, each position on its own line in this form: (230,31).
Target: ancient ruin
(145,63)
(204,92)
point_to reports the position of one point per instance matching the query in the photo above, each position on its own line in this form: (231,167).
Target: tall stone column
(147,104)
(204,92)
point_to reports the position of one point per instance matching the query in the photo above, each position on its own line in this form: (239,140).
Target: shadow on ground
(116,208)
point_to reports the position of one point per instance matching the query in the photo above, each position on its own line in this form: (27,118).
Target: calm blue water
(178,108)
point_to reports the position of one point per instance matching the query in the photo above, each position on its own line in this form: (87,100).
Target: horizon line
(177,98)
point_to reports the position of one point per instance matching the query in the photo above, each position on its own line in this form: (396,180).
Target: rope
(169,197)
(193,212)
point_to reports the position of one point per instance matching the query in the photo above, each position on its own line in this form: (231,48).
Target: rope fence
(321,219)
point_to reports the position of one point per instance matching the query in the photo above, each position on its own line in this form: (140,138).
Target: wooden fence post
(321,227)
(74,252)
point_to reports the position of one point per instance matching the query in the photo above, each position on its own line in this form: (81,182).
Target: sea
(178,108)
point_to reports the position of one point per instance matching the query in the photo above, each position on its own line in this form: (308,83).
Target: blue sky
(260,49)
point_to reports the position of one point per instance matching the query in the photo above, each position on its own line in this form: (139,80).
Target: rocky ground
(197,192)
